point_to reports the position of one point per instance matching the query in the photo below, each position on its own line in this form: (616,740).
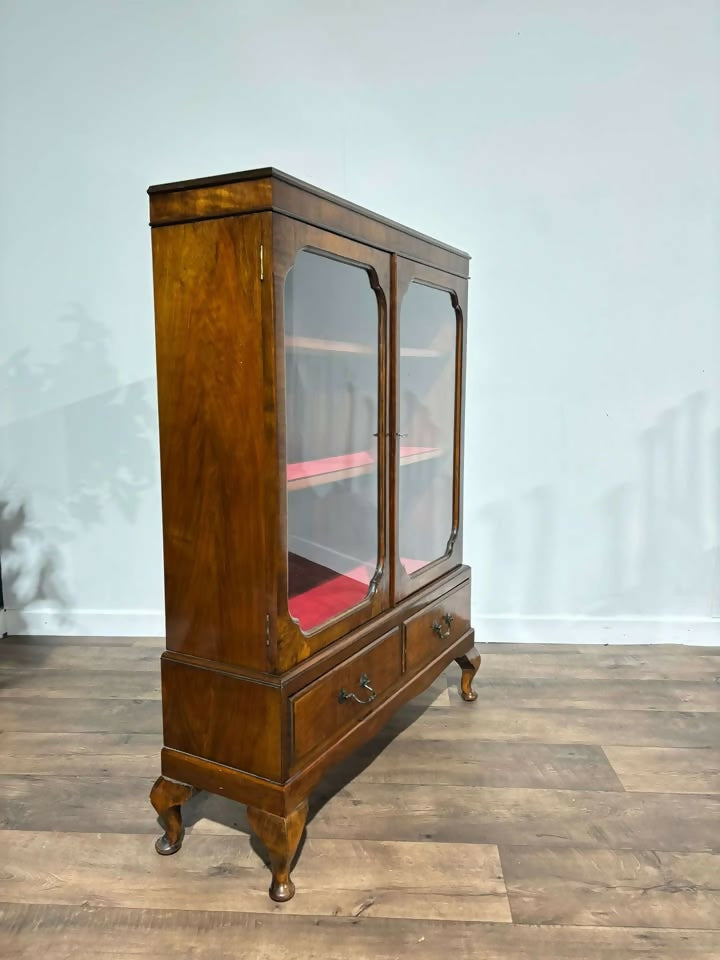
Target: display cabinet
(311,366)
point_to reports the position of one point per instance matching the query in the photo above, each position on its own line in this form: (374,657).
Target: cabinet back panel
(212,446)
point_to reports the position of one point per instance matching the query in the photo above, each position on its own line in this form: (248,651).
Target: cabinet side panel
(221,718)
(210,395)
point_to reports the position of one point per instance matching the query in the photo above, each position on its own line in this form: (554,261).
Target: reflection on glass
(331,383)
(426,418)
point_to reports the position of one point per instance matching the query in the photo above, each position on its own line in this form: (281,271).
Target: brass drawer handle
(364,682)
(437,628)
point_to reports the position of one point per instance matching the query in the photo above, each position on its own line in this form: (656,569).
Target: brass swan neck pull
(365,683)
(437,628)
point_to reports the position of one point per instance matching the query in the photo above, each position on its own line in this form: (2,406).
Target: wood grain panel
(209,339)
(325,211)
(241,719)
(617,888)
(254,190)
(216,201)
(423,640)
(317,712)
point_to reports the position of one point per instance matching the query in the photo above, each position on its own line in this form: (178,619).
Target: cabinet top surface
(273,174)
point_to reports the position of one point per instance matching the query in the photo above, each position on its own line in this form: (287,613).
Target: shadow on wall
(523,541)
(649,547)
(657,558)
(31,584)
(78,458)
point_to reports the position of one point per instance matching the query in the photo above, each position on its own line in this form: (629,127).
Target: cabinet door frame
(404,273)
(289,237)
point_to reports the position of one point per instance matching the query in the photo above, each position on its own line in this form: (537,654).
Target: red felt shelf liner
(364,458)
(327,600)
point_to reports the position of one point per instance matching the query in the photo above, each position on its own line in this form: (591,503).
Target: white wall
(572,147)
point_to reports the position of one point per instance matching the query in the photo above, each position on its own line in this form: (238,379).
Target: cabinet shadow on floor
(233,815)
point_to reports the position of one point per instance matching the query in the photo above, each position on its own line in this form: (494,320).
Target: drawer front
(437,627)
(346,694)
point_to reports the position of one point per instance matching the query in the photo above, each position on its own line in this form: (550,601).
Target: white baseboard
(504,628)
(510,628)
(85,623)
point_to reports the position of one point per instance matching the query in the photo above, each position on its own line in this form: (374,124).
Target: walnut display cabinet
(311,366)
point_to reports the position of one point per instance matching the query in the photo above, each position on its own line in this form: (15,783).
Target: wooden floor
(571,813)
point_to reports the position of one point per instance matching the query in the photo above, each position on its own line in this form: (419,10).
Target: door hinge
(262,262)
(267,621)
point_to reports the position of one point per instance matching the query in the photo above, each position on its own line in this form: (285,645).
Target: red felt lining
(364,458)
(337,595)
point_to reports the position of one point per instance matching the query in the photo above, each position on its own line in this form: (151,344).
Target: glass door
(334,333)
(428,339)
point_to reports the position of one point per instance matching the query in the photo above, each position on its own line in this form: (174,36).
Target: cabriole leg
(167,796)
(469,664)
(281,837)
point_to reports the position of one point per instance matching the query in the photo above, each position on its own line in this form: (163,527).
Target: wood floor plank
(605,694)
(641,888)
(34,715)
(511,661)
(95,656)
(518,816)
(77,932)
(480,763)
(338,877)
(415,721)
(600,666)
(578,760)
(377,811)
(70,683)
(77,684)
(537,725)
(155,643)
(666,770)
(80,754)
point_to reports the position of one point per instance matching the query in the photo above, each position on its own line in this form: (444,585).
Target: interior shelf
(314,345)
(336,595)
(314,473)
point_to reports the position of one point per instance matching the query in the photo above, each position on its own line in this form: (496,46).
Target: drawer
(329,705)
(437,627)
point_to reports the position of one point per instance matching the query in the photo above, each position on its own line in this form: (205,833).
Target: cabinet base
(278,811)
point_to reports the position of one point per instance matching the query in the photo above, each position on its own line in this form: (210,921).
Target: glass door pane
(427,333)
(332,437)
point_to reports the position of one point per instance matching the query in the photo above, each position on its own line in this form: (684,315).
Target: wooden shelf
(312,345)
(315,473)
